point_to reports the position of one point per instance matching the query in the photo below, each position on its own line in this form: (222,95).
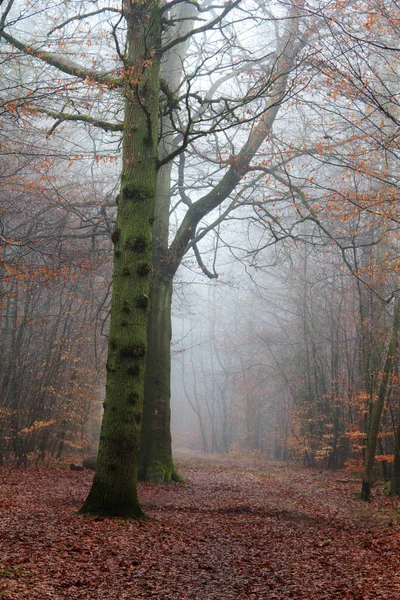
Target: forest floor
(239,529)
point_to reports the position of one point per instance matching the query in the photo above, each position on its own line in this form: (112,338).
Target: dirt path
(238,530)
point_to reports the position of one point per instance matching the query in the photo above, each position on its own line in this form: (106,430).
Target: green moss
(11,572)
(125,309)
(156,472)
(138,244)
(176,477)
(133,371)
(142,301)
(115,236)
(134,192)
(128,508)
(161,472)
(144,269)
(132,398)
(133,351)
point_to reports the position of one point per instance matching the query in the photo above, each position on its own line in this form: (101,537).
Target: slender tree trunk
(193,399)
(156,462)
(169,259)
(61,440)
(395,482)
(113,492)
(374,420)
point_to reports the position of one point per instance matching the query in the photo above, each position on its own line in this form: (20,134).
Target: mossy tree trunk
(374,419)
(156,462)
(113,492)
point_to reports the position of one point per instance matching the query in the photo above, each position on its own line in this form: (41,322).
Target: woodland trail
(240,529)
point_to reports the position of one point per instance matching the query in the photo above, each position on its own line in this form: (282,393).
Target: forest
(199,299)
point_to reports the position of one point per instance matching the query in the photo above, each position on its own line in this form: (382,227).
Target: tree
(156,455)
(113,490)
(218,112)
(350,180)
(47,303)
(375,414)
(114,487)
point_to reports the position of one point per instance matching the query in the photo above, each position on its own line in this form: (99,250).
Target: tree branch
(84,16)
(202,265)
(69,68)
(228,7)
(62,116)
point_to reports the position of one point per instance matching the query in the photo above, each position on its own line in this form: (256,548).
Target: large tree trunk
(113,492)
(374,420)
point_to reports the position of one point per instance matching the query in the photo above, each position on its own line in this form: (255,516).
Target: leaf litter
(238,529)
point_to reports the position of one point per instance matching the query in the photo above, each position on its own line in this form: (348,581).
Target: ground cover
(239,529)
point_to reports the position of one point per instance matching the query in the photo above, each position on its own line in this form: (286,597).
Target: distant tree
(376,409)
(46,304)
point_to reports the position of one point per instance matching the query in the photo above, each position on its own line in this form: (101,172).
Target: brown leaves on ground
(236,530)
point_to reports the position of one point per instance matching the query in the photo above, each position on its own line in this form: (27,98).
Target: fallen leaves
(236,531)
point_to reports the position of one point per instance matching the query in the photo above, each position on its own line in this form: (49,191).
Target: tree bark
(156,462)
(374,420)
(395,482)
(113,492)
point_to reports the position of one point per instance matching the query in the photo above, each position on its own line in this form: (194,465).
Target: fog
(244,157)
